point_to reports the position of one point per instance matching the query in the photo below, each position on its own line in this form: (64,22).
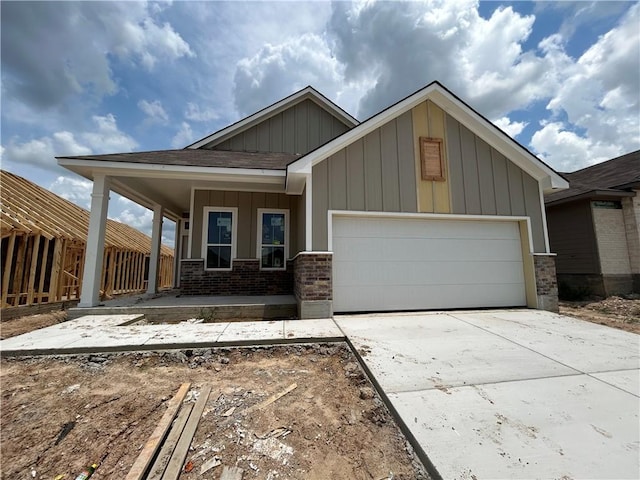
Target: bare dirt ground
(21,325)
(61,413)
(617,312)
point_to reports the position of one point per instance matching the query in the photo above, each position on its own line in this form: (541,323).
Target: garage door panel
(425,249)
(383,263)
(348,274)
(369,298)
(368,227)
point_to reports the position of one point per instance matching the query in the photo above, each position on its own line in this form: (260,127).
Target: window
(219,237)
(273,238)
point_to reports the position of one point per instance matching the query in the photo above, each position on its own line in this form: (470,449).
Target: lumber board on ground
(180,453)
(143,461)
(166,452)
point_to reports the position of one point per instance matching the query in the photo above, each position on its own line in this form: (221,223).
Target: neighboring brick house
(594,227)
(425,205)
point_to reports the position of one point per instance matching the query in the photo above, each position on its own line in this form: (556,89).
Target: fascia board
(248,122)
(119,169)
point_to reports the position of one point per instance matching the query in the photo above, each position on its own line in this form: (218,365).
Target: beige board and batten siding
(247,204)
(484,182)
(299,129)
(375,173)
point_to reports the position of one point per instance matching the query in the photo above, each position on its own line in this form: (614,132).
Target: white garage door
(385,264)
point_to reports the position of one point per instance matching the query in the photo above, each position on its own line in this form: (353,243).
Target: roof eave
(591,195)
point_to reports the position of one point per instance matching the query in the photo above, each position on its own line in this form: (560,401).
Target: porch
(170,306)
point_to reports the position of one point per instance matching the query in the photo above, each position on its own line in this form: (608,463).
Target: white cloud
(513,129)
(599,96)
(106,137)
(305,60)
(197,114)
(154,111)
(183,137)
(44,70)
(75,190)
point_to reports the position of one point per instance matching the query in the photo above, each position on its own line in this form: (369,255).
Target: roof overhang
(548,178)
(170,185)
(593,195)
(307,93)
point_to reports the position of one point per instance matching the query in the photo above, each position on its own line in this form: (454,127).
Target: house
(44,239)
(425,205)
(594,227)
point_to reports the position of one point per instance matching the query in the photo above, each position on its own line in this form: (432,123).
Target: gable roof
(613,178)
(27,208)
(455,107)
(307,93)
(199,158)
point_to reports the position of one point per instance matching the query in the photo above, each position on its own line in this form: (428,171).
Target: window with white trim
(219,237)
(273,238)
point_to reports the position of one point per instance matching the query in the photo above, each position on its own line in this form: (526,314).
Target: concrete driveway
(508,393)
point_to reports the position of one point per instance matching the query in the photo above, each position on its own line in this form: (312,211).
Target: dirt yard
(60,414)
(21,325)
(617,312)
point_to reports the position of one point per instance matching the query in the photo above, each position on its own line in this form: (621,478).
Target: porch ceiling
(170,186)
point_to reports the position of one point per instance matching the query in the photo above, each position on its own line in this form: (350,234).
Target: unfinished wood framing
(43,247)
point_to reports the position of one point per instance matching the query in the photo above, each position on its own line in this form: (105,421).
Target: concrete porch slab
(242,332)
(312,329)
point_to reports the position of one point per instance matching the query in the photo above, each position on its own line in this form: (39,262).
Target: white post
(309,214)
(177,252)
(156,240)
(94,252)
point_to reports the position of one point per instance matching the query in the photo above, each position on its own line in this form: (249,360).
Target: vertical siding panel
(251,139)
(226,145)
(485,176)
(237,142)
(338,181)
(313,129)
(373,171)
(406,164)
(501,183)
(456,177)
(216,198)
(470,171)
(320,206)
(246,230)
(441,203)
(263,134)
(258,200)
(389,155)
(516,191)
(271,200)
(230,199)
(326,127)
(533,208)
(338,128)
(289,131)
(420,122)
(302,122)
(275,132)
(355,174)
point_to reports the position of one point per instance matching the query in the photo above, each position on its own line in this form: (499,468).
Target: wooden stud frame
(431,159)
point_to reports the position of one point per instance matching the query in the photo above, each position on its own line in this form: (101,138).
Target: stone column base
(546,281)
(312,284)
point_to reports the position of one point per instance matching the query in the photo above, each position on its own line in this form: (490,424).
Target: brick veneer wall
(546,282)
(245,278)
(312,276)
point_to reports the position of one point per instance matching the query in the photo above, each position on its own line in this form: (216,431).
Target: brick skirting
(312,284)
(245,278)
(546,281)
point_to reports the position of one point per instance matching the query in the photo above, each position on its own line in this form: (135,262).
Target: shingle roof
(200,158)
(612,177)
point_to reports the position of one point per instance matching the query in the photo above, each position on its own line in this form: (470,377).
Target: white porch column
(177,252)
(156,240)
(94,252)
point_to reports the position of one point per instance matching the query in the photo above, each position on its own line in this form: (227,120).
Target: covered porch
(183,186)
